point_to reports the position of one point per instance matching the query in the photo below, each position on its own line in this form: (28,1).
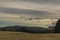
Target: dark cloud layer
(22,11)
(41,14)
(43,1)
(36,1)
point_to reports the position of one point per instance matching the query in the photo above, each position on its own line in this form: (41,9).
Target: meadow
(5,35)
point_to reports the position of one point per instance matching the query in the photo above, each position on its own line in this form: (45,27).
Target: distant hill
(25,29)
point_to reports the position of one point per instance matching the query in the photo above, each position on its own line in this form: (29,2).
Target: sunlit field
(4,35)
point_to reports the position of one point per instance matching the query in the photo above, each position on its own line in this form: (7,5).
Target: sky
(18,12)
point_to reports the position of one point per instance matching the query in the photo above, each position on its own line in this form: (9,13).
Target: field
(27,36)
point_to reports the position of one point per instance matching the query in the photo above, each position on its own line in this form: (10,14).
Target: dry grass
(27,36)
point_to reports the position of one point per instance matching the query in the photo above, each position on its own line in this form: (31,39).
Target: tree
(57,27)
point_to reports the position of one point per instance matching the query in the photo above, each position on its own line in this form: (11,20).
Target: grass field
(27,36)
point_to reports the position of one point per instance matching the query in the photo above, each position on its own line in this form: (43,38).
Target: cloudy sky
(18,12)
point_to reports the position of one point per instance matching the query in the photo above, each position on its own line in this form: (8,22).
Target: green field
(27,36)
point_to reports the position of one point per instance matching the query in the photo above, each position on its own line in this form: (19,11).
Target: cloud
(36,1)
(11,10)
(22,11)
(43,5)
(37,13)
(43,1)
